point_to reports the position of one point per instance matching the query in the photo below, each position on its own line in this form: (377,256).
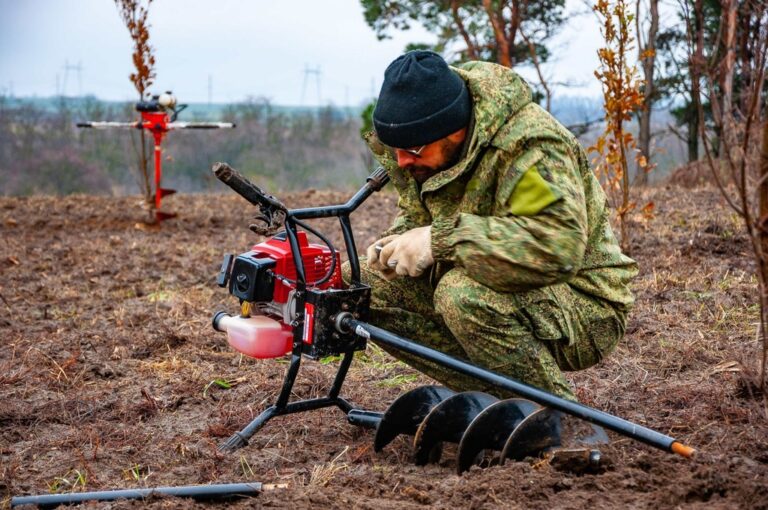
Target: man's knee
(450,297)
(460,300)
(405,293)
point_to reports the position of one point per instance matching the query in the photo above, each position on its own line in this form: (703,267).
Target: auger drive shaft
(323,317)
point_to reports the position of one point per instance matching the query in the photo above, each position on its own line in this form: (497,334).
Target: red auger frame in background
(327,318)
(158,116)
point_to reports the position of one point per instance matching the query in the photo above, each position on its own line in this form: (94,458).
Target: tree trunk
(697,69)
(539,71)
(471,50)
(762,232)
(763,194)
(725,110)
(692,121)
(647,54)
(502,55)
(519,10)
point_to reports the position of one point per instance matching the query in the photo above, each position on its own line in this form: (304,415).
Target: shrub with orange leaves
(134,14)
(622,97)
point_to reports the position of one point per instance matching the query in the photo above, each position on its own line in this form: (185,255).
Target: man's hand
(373,257)
(409,253)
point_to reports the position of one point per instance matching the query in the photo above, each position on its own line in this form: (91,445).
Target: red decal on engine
(309,323)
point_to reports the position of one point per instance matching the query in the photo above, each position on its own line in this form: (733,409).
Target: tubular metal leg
(282,406)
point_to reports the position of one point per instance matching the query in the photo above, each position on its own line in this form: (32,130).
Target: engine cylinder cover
(317,262)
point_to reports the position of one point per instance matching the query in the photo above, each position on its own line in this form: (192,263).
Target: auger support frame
(273,215)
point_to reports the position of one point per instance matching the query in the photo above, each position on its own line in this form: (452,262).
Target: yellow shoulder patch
(531,195)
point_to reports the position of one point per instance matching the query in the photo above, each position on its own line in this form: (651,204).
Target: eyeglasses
(413,152)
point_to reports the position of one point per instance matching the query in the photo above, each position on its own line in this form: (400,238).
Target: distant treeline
(280,148)
(41,150)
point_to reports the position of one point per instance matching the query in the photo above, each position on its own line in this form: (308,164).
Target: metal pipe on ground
(197,492)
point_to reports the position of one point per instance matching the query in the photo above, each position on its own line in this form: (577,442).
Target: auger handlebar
(170,126)
(246,188)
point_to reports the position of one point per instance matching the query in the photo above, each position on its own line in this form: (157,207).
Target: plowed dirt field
(108,370)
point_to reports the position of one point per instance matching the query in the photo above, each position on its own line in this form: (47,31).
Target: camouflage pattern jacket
(522,208)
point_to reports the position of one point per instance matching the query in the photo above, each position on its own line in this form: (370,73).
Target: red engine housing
(317,261)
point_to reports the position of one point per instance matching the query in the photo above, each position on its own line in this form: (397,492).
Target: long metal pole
(228,490)
(623,427)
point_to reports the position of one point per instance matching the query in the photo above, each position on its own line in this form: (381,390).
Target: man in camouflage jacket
(502,253)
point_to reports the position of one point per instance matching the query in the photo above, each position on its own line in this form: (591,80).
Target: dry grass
(323,474)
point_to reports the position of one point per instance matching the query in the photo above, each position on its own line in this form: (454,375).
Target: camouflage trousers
(530,336)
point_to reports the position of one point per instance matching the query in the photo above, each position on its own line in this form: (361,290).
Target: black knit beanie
(421,101)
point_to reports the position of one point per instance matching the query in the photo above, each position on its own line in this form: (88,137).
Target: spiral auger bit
(293,300)
(480,423)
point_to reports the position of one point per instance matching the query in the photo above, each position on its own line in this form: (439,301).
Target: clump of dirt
(111,376)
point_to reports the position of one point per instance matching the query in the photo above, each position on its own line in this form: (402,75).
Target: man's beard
(451,153)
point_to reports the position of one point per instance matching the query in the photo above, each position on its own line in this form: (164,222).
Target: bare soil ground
(108,357)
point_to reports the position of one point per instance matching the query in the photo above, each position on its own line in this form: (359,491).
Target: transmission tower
(77,69)
(308,71)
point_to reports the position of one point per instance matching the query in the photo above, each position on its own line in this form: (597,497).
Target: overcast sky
(241,48)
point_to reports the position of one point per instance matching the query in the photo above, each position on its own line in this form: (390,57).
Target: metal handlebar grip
(201,125)
(245,188)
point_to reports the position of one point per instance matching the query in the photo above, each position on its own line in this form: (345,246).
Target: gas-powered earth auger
(158,116)
(293,300)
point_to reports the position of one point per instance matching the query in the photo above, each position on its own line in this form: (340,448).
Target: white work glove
(373,257)
(409,253)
